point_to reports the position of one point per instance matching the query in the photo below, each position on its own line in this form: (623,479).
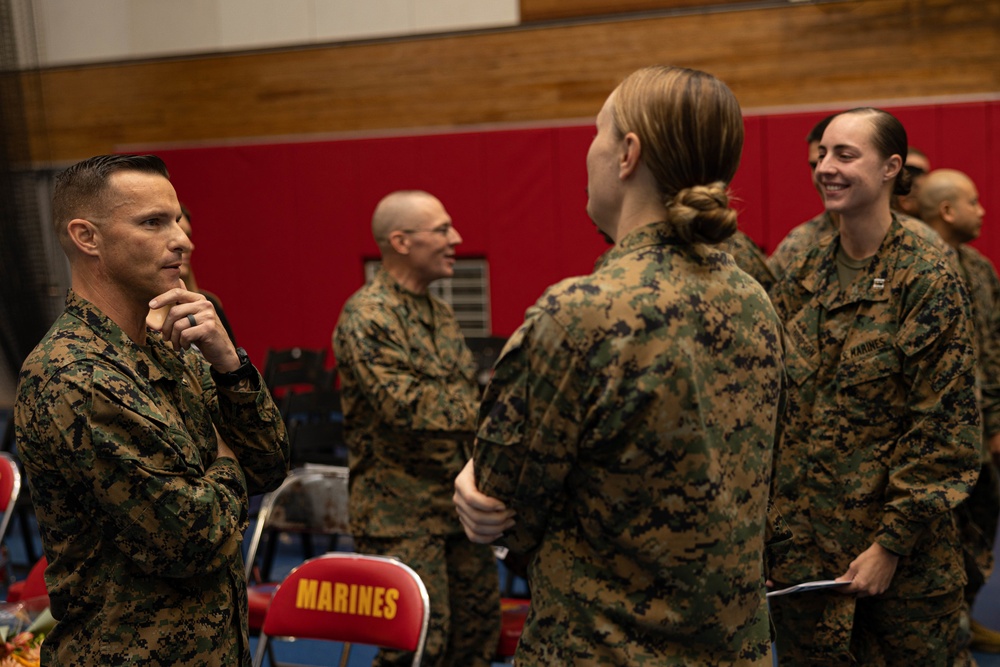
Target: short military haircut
(940,186)
(80,190)
(394,212)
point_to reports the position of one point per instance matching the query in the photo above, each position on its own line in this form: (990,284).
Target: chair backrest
(10,488)
(294,367)
(323,404)
(35,594)
(315,422)
(351,598)
(312,499)
(317,442)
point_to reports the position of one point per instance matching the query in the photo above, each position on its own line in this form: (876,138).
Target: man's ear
(631,154)
(400,242)
(946,211)
(83,236)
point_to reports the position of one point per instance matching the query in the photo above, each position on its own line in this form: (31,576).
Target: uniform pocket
(127,426)
(871,391)
(877,366)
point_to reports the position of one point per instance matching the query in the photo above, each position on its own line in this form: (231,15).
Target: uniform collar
(139,358)
(421,306)
(873,283)
(652,234)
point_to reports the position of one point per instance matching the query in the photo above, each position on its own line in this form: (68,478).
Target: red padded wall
(282,230)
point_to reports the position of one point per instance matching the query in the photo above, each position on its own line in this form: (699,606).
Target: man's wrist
(244,371)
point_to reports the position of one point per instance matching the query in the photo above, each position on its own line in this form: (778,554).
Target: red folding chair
(31,591)
(350,598)
(10,488)
(310,503)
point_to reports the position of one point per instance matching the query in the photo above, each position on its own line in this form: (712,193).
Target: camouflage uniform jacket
(984,294)
(800,241)
(630,423)
(141,523)
(749,257)
(880,435)
(410,397)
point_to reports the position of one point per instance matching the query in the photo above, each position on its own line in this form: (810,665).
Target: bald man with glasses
(410,400)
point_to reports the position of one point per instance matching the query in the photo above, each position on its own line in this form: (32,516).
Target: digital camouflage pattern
(749,257)
(410,397)
(630,423)
(141,523)
(978,516)
(828,618)
(880,434)
(821,229)
(800,241)
(984,296)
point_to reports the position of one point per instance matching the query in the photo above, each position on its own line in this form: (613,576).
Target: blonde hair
(690,130)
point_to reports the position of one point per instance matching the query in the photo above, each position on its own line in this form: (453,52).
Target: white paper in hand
(808,586)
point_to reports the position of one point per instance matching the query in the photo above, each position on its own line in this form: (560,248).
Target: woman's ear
(891,167)
(630,155)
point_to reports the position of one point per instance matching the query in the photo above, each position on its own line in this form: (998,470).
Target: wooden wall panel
(810,54)
(549,10)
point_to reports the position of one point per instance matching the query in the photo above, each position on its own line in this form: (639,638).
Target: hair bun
(903,184)
(701,214)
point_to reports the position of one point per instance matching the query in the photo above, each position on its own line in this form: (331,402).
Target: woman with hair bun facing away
(880,437)
(625,439)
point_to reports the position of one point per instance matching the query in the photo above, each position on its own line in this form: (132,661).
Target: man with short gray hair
(410,399)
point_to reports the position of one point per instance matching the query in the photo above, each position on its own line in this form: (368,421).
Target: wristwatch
(245,371)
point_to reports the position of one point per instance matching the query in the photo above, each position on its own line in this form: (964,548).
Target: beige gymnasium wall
(69,32)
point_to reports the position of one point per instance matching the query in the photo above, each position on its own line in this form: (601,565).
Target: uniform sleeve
(250,423)
(151,496)
(374,349)
(935,461)
(990,354)
(530,421)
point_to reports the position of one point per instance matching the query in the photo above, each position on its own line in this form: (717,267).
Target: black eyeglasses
(914,170)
